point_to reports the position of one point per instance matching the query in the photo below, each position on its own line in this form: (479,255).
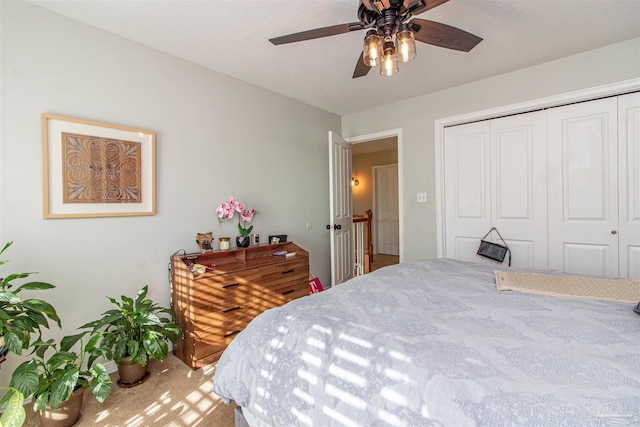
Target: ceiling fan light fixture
(372,51)
(405,44)
(389,65)
(392,30)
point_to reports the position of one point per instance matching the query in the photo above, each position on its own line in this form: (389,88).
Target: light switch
(422,198)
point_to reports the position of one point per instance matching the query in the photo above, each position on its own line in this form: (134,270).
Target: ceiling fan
(392,33)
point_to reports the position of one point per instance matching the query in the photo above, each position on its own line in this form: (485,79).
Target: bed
(434,343)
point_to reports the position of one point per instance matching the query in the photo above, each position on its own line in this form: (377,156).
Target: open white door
(340,227)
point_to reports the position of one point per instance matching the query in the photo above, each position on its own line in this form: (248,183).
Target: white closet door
(466,189)
(629,184)
(582,188)
(519,186)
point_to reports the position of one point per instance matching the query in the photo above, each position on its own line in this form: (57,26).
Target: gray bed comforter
(433,343)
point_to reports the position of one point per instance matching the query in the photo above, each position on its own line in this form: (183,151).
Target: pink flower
(225,211)
(245,216)
(234,205)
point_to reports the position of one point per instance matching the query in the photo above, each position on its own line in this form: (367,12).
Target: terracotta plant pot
(131,375)
(65,415)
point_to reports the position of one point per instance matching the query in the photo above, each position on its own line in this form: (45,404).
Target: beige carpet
(174,395)
(569,286)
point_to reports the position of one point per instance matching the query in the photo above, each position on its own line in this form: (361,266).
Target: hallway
(381,260)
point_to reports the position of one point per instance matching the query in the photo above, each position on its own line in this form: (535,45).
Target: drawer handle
(231,285)
(231,334)
(288,271)
(231,309)
(288,292)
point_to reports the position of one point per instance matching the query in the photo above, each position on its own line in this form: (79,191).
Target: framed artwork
(93,169)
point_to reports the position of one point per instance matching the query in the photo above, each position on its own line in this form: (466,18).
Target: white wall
(216,137)
(416,118)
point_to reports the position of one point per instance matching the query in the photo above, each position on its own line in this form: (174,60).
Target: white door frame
(397,133)
(538,104)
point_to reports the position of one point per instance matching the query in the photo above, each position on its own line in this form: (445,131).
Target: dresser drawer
(224,314)
(207,290)
(297,269)
(282,293)
(216,338)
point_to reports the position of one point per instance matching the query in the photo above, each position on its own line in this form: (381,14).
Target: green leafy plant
(20,319)
(13,404)
(51,380)
(138,328)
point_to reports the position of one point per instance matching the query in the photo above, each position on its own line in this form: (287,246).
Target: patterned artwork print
(101,170)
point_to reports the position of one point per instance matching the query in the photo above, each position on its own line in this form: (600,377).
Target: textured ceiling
(231,36)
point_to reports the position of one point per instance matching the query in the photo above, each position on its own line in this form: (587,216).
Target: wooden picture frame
(205,241)
(93,169)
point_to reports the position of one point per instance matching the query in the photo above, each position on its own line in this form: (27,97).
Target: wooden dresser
(216,293)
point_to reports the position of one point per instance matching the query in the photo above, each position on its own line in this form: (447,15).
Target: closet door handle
(614,231)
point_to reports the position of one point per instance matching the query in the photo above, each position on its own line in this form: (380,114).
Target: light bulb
(372,49)
(389,65)
(406,44)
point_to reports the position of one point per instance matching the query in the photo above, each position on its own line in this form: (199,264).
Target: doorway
(376,172)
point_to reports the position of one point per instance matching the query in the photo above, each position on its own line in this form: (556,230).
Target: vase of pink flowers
(245,216)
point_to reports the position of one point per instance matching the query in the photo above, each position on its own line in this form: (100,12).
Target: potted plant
(132,333)
(13,404)
(245,216)
(56,382)
(20,319)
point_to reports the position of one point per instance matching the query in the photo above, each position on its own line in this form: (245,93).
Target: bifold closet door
(583,187)
(519,186)
(467,190)
(629,184)
(495,176)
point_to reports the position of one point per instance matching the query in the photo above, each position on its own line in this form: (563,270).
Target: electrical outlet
(422,198)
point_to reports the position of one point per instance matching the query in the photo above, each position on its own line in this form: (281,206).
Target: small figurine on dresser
(205,241)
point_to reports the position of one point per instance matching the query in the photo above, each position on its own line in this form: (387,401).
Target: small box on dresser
(216,294)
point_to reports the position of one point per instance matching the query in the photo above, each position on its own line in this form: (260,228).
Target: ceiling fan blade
(415,7)
(361,68)
(317,33)
(443,35)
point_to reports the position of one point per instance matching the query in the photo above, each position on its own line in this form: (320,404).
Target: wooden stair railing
(363,243)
